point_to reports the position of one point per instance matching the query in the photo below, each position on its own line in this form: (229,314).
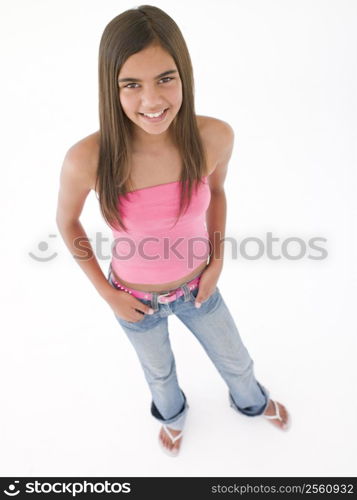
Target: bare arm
(222,143)
(74,189)
(217,210)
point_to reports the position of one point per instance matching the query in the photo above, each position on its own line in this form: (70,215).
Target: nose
(150,99)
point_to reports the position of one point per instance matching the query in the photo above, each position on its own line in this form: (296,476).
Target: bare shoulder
(217,132)
(75,181)
(218,137)
(82,159)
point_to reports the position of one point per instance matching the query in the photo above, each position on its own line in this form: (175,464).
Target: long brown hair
(127,34)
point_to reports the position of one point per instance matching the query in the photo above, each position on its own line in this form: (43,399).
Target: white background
(74,398)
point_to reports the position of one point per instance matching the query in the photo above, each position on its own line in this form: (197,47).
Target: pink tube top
(154,250)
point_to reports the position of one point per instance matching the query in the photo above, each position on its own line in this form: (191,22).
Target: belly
(162,287)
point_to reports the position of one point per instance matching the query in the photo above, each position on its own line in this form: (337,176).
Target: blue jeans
(213,326)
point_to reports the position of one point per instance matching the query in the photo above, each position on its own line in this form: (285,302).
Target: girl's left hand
(207,285)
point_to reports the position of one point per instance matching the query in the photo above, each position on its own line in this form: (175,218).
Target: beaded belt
(163,297)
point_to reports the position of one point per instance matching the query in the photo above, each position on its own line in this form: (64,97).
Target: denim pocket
(125,321)
(194,294)
(143,301)
(141,320)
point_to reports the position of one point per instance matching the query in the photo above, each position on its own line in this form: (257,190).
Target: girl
(159,170)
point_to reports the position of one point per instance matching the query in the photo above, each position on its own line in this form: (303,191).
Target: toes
(165,439)
(284,415)
(168,443)
(176,445)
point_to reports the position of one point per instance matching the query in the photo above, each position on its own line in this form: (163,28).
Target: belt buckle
(164,295)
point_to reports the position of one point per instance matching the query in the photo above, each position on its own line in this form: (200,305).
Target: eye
(169,78)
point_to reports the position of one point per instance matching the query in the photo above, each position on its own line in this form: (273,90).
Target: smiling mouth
(163,111)
(155,119)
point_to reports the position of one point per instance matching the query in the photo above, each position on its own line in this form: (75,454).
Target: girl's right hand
(127,307)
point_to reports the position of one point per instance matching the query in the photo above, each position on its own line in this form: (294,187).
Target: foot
(273,413)
(167,442)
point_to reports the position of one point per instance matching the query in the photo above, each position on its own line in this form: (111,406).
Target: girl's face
(149,82)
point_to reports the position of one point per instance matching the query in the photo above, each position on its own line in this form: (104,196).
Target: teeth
(153,115)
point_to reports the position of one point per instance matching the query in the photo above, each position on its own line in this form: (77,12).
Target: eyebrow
(168,72)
